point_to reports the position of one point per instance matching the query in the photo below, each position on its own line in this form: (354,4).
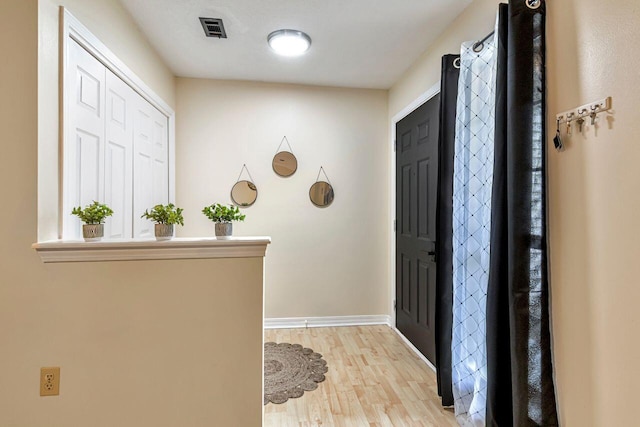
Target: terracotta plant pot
(224,230)
(164,231)
(92,232)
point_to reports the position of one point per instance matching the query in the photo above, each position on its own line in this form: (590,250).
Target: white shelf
(136,250)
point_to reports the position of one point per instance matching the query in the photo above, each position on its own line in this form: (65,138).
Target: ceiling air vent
(213,27)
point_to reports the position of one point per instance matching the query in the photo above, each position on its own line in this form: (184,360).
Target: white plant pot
(164,231)
(224,230)
(92,232)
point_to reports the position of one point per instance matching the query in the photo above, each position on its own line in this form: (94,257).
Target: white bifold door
(115,149)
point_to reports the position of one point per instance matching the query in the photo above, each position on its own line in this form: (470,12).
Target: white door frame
(430,93)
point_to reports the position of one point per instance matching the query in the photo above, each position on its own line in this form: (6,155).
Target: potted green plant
(93,216)
(223,216)
(165,217)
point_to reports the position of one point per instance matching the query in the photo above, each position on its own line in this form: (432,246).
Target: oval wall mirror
(244,193)
(321,194)
(285,163)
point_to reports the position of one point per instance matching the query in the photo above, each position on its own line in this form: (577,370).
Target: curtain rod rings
(533,4)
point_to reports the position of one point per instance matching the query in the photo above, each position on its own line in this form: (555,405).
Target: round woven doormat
(290,370)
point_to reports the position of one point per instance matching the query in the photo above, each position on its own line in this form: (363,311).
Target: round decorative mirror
(321,194)
(285,163)
(244,193)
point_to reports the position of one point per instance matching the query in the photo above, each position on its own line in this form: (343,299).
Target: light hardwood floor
(374,379)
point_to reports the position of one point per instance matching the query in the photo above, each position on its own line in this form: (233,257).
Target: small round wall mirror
(321,194)
(244,193)
(285,163)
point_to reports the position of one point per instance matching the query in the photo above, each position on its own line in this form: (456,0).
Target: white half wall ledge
(142,250)
(329,321)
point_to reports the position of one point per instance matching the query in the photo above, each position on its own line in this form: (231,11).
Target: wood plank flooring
(374,379)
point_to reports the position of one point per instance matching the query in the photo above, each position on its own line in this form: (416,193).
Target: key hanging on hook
(593,115)
(569,118)
(581,120)
(557,140)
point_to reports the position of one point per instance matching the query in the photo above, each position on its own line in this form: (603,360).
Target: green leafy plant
(164,214)
(94,213)
(220,213)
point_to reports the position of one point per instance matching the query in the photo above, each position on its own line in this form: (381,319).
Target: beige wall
(111,24)
(592,53)
(139,343)
(478,19)
(322,262)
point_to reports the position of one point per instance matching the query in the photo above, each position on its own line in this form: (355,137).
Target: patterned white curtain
(472,189)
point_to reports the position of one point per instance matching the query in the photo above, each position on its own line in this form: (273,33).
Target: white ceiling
(355,43)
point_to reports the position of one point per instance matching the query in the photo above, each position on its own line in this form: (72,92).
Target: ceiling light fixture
(289,42)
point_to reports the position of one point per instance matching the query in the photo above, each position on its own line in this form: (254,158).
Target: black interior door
(416,191)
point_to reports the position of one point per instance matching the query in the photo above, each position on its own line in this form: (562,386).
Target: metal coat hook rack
(580,114)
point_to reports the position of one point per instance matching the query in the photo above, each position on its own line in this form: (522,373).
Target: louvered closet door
(150,167)
(85,82)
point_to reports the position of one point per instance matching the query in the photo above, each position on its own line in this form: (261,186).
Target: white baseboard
(329,321)
(319,322)
(415,350)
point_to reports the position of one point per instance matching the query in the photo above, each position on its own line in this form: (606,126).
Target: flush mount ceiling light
(289,42)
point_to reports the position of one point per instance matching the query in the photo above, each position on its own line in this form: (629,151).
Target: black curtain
(518,327)
(444,228)
(520,387)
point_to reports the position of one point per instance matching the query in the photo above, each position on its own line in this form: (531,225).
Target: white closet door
(115,149)
(160,158)
(118,172)
(84,147)
(150,165)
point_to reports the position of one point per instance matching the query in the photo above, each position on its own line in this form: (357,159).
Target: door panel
(88,152)
(83,158)
(423,271)
(405,283)
(115,191)
(160,158)
(142,170)
(151,160)
(405,228)
(423,216)
(118,192)
(416,189)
